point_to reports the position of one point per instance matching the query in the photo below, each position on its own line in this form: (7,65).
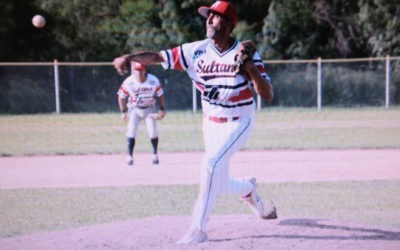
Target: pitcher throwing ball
(224,70)
(136,101)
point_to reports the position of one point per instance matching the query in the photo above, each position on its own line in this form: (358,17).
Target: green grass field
(276,128)
(35,210)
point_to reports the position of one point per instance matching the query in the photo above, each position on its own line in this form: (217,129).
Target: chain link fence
(60,87)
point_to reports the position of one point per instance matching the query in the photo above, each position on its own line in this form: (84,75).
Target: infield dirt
(225,232)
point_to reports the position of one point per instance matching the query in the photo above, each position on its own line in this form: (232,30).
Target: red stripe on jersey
(124,91)
(176,64)
(243,95)
(261,69)
(199,87)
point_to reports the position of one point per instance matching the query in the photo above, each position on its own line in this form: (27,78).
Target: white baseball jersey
(141,94)
(224,93)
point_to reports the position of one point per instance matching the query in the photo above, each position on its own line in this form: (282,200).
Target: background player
(228,106)
(136,100)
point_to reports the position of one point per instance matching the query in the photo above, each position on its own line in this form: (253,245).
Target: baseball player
(136,101)
(224,70)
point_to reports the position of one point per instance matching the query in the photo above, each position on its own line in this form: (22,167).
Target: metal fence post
(194,99)
(387,96)
(319,85)
(259,103)
(57,86)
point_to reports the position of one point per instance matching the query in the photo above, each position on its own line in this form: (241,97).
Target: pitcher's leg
(215,166)
(221,142)
(205,198)
(239,135)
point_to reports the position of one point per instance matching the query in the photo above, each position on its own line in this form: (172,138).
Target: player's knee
(208,161)
(212,165)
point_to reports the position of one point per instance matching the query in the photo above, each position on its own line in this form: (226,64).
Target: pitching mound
(225,232)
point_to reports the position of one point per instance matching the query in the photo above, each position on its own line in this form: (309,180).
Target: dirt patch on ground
(183,168)
(225,232)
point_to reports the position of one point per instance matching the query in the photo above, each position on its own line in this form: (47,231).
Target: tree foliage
(331,28)
(379,22)
(98,30)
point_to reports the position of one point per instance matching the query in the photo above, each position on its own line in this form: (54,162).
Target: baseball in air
(38,21)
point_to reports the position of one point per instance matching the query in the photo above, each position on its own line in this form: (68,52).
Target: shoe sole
(271,216)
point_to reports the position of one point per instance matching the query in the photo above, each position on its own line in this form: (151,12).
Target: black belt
(143,107)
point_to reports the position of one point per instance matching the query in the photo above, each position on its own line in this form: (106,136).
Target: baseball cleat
(257,205)
(129,160)
(193,237)
(155,159)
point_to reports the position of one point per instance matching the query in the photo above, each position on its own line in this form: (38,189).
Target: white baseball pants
(221,140)
(135,116)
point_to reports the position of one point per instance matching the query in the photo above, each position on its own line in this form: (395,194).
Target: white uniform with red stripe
(141,100)
(228,106)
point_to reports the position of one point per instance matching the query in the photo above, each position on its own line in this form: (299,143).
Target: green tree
(153,25)
(339,17)
(330,29)
(379,22)
(99,30)
(289,31)
(79,25)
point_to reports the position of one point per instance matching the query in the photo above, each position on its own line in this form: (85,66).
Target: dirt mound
(225,232)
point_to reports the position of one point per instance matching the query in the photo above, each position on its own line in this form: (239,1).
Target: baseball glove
(158,116)
(244,53)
